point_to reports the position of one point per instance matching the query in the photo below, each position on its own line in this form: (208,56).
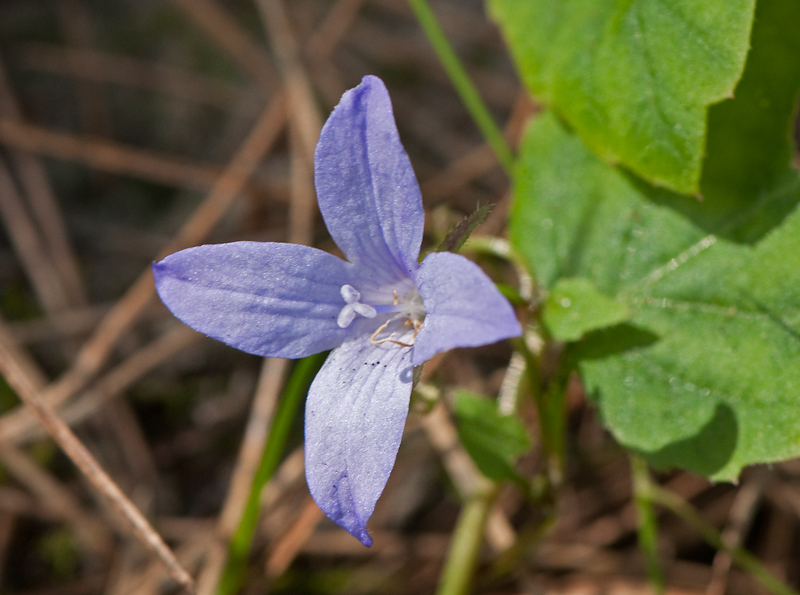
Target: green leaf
(748,182)
(493,441)
(704,375)
(633,77)
(575,306)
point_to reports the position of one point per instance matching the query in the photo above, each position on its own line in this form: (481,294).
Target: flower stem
(740,556)
(465,545)
(285,414)
(461,81)
(647,531)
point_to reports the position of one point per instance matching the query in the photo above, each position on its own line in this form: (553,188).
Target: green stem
(647,531)
(462,557)
(523,547)
(740,556)
(550,403)
(466,90)
(285,414)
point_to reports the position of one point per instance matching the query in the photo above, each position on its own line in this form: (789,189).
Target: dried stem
(232,39)
(28,245)
(273,372)
(124,71)
(84,460)
(741,518)
(304,111)
(97,349)
(44,205)
(108,156)
(76,27)
(288,546)
(740,556)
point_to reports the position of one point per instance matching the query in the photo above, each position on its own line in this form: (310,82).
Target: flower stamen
(353,306)
(375,341)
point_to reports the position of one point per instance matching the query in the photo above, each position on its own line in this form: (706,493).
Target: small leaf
(461,232)
(493,441)
(633,78)
(575,306)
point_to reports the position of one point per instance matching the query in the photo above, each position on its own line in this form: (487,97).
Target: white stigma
(353,306)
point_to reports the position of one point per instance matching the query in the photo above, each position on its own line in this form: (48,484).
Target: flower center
(407,311)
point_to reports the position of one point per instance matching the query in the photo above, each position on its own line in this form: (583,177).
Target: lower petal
(355,415)
(464,308)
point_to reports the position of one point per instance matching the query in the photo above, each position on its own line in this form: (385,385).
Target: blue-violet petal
(355,415)
(367,191)
(464,308)
(269,299)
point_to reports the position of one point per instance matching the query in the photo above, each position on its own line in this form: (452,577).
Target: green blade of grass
(288,406)
(461,81)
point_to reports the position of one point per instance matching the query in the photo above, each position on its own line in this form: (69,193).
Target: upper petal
(355,414)
(277,300)
(367,191)
(464,308)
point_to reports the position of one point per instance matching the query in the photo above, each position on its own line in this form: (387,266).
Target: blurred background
(132,128)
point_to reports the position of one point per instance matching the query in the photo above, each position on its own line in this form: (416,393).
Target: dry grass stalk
(304,111)
(43,203)
(124,71)
(99,346)
(28,245)
(273,372)
(84,460)
(75,23)
(91,532)
(232,39)
(290,543)
(108,156)
(23,428)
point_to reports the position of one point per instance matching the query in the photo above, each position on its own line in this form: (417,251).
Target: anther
(352,307)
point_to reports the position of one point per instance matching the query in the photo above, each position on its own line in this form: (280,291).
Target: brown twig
(150,580)
(273,372)
(290,543)
(53,495)
(231,38)
(108,156)
(321,45)
(76,27)
(84,460)
(67,323)
(304,111)
(28,245)
(303,204)
(462,471)
(131,72)
(22,427)
(97,349)
(44,205)
(741,518)
(331,31)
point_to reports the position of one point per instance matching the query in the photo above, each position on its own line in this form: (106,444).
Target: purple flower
(381,312)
